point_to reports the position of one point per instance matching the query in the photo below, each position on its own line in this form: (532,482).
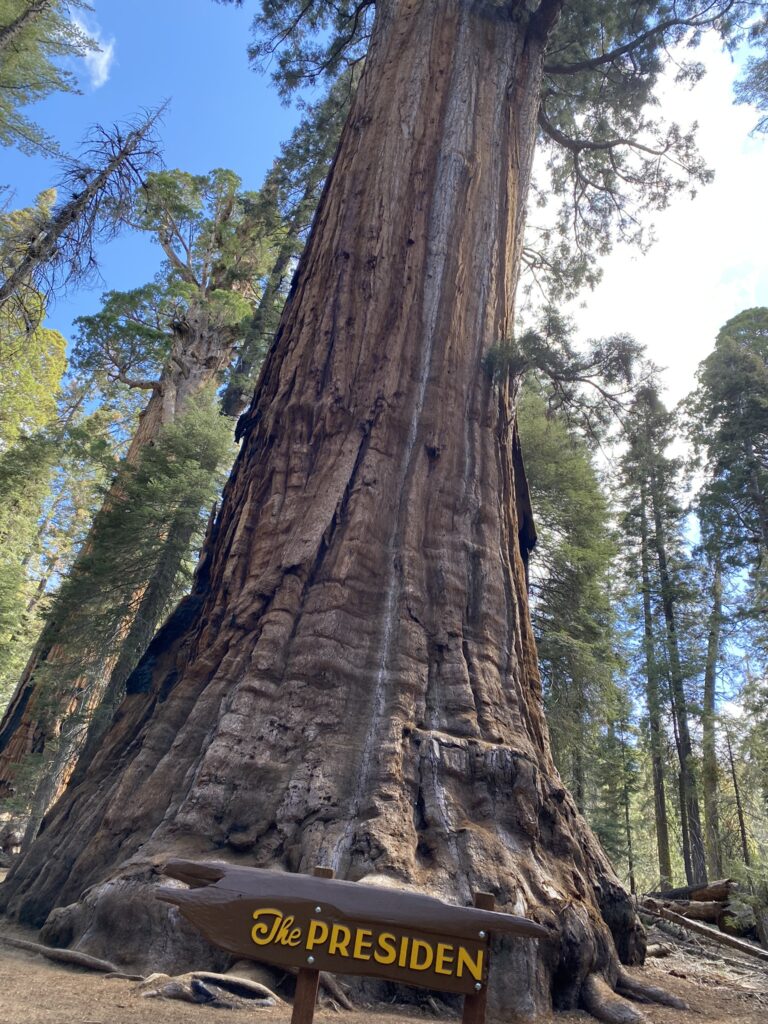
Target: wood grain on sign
(298,921)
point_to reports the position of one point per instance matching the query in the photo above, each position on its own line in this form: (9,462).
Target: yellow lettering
(361,943)
(318,933)
(337,944)
(264,932)
(284,933)
(294,938)
(444,958)
(416,964)
(475,967)
(402,960)
(386,941)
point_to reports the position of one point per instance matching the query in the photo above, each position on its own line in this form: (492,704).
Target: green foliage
(37,37)
(729,426)
(753,86)
(215,237)
(49,486)
(570,571)
(590,385)
(31,367)
(128,341)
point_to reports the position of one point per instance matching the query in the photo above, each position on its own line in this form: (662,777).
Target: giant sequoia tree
(353,680)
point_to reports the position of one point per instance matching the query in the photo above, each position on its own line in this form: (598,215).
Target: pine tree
(650,480)
(569,570)
(728,415)
(53,245)
(31,367)
(134,568)
(50,483)
(36,39)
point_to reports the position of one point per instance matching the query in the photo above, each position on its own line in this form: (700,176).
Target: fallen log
(709,911)
(702,929)
(718,891)
(64,956)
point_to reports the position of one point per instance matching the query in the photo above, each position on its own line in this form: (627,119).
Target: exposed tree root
(334,989)
(64,956)
(599,999)
(630,987)
(220,990)
(607,1004)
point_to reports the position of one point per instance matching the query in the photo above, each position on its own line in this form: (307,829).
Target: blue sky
(221,114)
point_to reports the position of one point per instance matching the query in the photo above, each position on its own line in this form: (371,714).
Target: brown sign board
(300,921)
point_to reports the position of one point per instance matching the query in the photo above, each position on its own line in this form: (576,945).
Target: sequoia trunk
(357,685)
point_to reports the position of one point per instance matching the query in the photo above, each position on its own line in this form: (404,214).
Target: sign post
(314,923)
(307,980)
(474,1005)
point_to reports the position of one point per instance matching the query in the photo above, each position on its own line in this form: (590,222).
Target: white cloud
(98,63)
(708,262)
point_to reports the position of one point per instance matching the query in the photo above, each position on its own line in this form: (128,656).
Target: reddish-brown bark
(358,683)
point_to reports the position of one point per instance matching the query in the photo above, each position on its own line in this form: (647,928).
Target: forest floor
(35,991)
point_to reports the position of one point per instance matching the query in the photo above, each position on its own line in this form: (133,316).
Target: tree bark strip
(739,805)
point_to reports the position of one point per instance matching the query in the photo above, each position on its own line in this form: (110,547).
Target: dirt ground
(35,991)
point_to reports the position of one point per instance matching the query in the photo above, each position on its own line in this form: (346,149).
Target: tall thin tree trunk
(653,699)
(688,789)
(625,800)
(709,771)
(739,805)
(358,685)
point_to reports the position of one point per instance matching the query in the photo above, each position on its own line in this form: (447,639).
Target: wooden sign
(317,924)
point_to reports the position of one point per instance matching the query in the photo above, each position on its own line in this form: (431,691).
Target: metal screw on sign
(308,979)
(474,1005)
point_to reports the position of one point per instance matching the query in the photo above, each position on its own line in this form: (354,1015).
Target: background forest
(648,582)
